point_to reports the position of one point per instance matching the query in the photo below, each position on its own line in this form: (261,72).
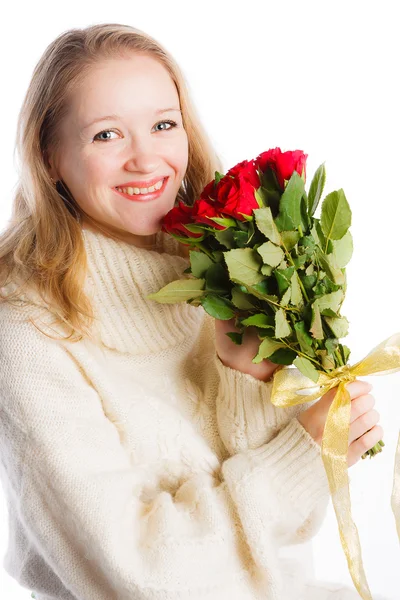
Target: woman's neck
(148,242)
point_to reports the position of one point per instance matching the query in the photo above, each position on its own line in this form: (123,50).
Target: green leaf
(217,279)
(237,338)
(304,338)
(283,356)
(282,327)
(283,277)
(271,189)
(179,291)
(187,240)
(308,281)
(307,368)
(310,269)
(241,300)
(331,344)
(316,328)
(283,265)
(329,264)
(346,353)
(306,245)
(290,239)
(316,189)
(299,261)
(265,223)
(199,263)
(289,207)
(217,307)
(343,250)
(325,286)
(272,255)
(328,312)
(218,177)
(218,255)
(259,320)
(338,325)
(225,221)
(266,270)
(261,290)
(286,297)
(240,238)
(327,361)
(267,347)
(244,265)
(296,297)
(304,217)
(225,237)
(335,215)
(332,301)
(261,197)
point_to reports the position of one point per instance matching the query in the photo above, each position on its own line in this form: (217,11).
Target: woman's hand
(364,432)
(240,357)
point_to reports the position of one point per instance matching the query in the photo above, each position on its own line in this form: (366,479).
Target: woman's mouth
(143,194)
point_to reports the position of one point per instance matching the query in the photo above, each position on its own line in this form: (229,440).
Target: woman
(141,456)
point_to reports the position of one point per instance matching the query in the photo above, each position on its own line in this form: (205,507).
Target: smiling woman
(136,146)
(123,73)
(135,463)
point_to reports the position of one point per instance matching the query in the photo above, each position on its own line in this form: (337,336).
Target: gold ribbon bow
(290,387)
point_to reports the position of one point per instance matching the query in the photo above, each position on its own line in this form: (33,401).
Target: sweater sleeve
(246,416)
(79,498)
(250,426)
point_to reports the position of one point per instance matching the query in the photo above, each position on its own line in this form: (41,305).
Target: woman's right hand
(364,432)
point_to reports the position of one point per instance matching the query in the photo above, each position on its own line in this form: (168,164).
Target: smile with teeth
(137,191)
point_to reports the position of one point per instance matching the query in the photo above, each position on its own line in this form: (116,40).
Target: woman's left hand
(240,357)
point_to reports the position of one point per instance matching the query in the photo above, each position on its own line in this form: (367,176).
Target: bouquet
(261,256)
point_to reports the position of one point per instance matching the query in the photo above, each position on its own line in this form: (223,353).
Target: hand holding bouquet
(262,259)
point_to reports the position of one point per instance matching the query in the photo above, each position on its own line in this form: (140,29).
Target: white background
(317,76)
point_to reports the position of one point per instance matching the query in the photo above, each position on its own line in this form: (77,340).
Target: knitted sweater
(138,466)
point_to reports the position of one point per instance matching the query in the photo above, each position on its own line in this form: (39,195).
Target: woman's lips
(144,197)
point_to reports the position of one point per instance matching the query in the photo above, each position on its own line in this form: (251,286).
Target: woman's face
(131,144)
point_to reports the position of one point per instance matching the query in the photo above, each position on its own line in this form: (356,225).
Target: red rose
(283,163)
(208,192)
(247,170)
(204,209)
(234,193)
(174,221)
(236,196)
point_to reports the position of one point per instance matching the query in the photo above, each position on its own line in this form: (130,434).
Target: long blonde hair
(42,245)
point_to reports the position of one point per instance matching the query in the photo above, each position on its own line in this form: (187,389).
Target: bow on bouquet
(262,257)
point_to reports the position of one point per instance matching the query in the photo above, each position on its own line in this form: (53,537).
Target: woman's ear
(50,167)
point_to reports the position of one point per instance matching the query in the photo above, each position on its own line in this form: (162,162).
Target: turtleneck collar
(120,276)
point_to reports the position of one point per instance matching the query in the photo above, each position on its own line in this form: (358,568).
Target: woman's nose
(142,156)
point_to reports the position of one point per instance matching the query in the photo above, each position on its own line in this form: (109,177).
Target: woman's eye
(101,133)
(172,123)
(103,136)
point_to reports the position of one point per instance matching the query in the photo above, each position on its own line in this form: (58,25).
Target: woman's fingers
(363,424)
(363,444)
(361,405)
(355,389)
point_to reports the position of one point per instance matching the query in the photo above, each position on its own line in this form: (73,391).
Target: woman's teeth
(136,191)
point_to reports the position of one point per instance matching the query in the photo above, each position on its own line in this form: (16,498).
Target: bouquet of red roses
(261,256)
(266,260)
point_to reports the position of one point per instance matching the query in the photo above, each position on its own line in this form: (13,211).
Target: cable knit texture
(137,465)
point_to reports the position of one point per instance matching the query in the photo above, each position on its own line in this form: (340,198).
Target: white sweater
(141,467)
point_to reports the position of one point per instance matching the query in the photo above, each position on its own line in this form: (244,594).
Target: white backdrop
(317,76)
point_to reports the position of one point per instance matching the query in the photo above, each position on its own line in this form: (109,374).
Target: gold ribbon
(290,387)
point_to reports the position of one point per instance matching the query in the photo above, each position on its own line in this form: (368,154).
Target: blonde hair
(42,245)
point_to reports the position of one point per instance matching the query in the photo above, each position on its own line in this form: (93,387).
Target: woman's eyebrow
(113,117)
